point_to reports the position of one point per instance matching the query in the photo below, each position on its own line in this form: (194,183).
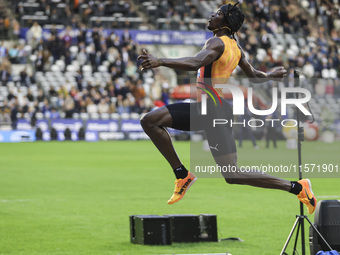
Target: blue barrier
(17,136)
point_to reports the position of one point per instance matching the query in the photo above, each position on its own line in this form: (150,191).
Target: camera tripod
(299,222)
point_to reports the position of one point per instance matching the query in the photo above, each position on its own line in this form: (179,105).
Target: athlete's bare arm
(212,50)
(259,76)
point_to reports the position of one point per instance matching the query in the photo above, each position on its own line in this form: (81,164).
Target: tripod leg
(297,237)
(302,225)
(317,231)
(290,236)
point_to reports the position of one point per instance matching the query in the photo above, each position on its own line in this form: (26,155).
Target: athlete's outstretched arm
(259,76)
(212,50)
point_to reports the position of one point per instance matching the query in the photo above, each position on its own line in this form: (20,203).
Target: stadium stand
(77,69)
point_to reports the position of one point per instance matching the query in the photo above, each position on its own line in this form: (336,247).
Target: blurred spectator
(111,90)
(13,54)
(245,130)
(5,75)
(192,26)
(30,96)
(10,95)
(5,112)
(4,26)
(32,115)
(80,106)
(39,63)
(337,88)
(63,91)
(103,107)
(329,87)
(272,129)
(54,114)
(131,70)
(34,34)
(41,96)
(45,108)
(139,94)
(126,37)
(14,113)
(24,78)
(52,92)
(90,106)
(54,46)
(155,92)
(3,50)
(165,95)
(308,70)
(182,26)
(68,107)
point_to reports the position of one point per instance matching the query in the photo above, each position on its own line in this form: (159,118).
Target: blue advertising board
(131,126)
(102,130)
(91,136)
(62,124)
(111,136)
(95,130)
(61,136)
(24,124)
(17,136)
(102,125)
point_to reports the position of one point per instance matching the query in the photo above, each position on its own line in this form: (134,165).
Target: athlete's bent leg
(254,178)
(302,188)
(153,124)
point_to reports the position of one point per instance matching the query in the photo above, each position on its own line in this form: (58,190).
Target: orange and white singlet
(219,71)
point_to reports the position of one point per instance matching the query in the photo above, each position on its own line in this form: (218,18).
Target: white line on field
(15,200)
(329,196)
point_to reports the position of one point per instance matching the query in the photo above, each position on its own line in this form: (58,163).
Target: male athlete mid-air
(217,60)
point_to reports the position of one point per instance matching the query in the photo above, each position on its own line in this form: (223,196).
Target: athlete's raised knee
(147,120)
(158,117)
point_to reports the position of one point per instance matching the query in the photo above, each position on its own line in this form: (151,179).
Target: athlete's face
(216,20)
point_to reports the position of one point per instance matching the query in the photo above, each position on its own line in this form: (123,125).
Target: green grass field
(75,198)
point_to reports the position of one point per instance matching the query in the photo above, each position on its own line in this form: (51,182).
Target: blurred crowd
(83,43)
(315,53)
(73,12)
(123,92)
(173,15)
(9,26)
(326,13)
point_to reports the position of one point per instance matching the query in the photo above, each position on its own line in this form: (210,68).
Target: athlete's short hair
(233,16)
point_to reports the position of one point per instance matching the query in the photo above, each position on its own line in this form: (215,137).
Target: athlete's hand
(278,73)
(149,61)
